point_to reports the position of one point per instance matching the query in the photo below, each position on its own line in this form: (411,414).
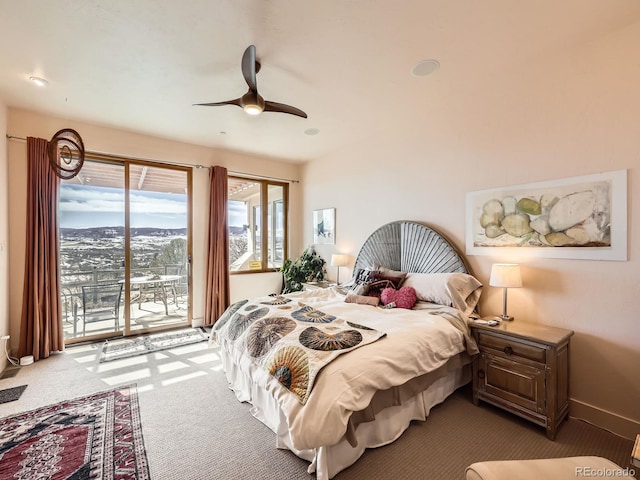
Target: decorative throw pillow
(375,288)
(404,297)
(371,282)
(396,280)
(395,276)
(362,278)
(458,290)
(361,299)
(364,275)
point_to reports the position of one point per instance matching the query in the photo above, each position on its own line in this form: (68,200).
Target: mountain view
(99,251)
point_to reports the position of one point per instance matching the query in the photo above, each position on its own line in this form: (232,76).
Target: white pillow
(458,290)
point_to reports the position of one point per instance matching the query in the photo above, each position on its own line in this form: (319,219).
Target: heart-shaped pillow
(404,297)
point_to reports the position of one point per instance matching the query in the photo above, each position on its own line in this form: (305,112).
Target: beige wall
(4,234)
(23,123)
(574,112)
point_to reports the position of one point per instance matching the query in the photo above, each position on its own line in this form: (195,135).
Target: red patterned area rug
(97,436)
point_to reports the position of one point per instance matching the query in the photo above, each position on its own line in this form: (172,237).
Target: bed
(364,372)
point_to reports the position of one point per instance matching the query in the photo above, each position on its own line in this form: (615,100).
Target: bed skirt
(388,416)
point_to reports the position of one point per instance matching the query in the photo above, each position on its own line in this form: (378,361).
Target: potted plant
(309,267)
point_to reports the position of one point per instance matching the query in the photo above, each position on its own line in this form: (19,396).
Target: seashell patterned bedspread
(415,342)
(292,341)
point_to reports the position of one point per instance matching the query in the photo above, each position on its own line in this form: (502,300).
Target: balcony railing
(93,301)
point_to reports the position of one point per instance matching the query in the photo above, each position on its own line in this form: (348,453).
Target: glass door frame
(128,331)
(126,303)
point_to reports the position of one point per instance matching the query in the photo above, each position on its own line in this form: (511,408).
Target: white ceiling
(139,65)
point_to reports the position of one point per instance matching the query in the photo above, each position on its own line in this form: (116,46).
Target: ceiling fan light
(252,103)
(39,81)
(252,109)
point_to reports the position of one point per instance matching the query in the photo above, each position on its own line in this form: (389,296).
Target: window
(257,215)
(251,204)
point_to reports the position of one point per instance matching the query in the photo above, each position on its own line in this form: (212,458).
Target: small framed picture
(324,226)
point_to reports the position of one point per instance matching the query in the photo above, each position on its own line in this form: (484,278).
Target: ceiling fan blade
(252,102)
(281,107)
(249,68)
(216,104)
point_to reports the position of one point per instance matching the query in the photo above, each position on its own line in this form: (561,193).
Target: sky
(84,206)
(237,213)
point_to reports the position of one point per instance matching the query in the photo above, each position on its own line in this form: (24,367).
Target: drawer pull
(508,350)
(480,374)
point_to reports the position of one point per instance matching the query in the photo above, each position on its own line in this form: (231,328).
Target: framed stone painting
(580,217)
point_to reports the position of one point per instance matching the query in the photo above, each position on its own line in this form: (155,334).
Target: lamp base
(505,318)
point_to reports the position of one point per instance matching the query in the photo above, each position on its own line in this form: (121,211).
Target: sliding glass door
(159,259)
(124,249)
(92,251)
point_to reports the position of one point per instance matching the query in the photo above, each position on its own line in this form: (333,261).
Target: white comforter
(417,342)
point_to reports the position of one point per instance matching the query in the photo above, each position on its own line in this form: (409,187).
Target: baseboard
(625,427)
(197,322)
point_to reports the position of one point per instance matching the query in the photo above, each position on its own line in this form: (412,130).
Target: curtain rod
(115,156)
(251,175)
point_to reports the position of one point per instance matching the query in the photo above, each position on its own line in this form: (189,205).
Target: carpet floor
(194,428)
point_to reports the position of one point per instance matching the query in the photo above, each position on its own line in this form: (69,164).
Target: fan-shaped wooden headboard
(410,247)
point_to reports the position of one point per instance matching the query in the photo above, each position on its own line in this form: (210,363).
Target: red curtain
(217,291)
(41,326)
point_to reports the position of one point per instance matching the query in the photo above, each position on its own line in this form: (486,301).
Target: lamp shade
(506,275)
(339,260)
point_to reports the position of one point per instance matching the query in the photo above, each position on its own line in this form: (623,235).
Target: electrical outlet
(5,337)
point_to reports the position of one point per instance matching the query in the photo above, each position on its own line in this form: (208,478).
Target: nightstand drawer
(502,380)
(510,348)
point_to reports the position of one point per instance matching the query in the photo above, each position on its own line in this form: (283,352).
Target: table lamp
(505,275)
(339,260)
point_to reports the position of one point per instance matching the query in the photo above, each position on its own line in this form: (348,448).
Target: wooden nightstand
(524,369)
(635,454)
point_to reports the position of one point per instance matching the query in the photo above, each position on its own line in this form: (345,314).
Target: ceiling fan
(252,102)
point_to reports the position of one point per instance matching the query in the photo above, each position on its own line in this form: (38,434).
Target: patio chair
(173,269)
(70,304)
(101,302)
(180,287)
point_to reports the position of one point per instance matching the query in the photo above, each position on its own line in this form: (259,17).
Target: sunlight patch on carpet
(150,343)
